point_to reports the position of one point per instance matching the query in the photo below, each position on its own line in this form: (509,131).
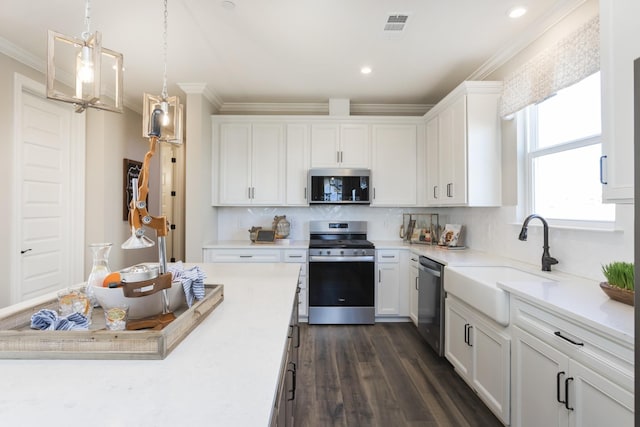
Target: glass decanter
(100,267)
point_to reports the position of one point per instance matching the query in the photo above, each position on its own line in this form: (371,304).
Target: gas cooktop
(340,243)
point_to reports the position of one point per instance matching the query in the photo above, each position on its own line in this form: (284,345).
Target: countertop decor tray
(19,341)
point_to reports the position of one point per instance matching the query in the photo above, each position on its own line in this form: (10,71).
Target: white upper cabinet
(619,47)
(340,145)
(432,169)
(395,151)
(250,163)
(463,147)
(298,160)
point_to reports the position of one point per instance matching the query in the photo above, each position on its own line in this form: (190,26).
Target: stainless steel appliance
(339,186)
(341,273)
(431,303)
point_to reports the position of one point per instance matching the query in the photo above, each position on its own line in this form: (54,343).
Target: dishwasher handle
(430,267)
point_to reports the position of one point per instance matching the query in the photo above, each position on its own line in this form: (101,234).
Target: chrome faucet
(547,259)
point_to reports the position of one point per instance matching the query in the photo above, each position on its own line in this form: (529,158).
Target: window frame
(531,152)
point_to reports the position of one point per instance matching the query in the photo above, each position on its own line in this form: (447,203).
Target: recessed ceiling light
(366,70)
(517,12)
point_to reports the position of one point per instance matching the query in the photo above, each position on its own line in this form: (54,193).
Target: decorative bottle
(100,267)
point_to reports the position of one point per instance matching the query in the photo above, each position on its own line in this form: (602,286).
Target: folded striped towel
(192,281)
(46,319)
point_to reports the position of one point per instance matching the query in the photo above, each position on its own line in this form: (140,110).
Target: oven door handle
(317,258)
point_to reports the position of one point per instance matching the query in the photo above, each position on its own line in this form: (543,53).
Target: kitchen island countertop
(225,372)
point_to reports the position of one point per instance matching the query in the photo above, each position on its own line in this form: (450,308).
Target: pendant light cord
(164,36)
(87,20)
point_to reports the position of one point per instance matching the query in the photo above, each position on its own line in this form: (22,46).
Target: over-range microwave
(339,186)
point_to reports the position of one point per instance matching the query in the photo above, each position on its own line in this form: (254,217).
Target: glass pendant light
(82,72)
(171,121)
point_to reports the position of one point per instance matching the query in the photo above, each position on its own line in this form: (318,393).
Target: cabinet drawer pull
(559,334)
(388,256)
(246,256)
(295,256)
(435,191)
(566,393)
(558,388)
(293,380)
(417,283)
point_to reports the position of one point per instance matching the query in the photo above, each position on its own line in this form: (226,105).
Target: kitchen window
(563,149)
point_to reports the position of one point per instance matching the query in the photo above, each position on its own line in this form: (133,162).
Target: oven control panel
(341,252)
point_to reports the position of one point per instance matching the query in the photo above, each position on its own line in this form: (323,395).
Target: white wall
(110,137)
(199,214)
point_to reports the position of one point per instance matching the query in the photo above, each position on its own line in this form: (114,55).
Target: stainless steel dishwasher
(431,303)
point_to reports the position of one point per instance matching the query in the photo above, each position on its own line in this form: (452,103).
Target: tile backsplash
(495,230)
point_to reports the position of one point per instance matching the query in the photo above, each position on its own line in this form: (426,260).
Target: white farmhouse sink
(477,286)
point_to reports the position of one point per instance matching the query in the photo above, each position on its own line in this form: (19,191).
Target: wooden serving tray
(19,341)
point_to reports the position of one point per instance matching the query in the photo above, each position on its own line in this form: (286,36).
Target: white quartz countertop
(581,300)
(575,297)
(245,244)
(224,373)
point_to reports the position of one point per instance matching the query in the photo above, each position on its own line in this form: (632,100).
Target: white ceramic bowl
(140,307)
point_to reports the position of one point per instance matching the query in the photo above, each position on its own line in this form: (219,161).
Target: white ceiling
(290,51)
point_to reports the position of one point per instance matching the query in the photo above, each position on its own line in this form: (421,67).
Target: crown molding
(322,108)
(202,89)
(390,109)
(25,57)
(554,15)
(32,61)
(312,108)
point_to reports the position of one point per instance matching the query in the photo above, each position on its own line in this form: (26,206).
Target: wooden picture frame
(265,236)
(131,169)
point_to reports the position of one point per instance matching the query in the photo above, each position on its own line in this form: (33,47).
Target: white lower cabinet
(300,256)
(413,287)
(562,378)
(266,254)
(284,405)
(241,255)
(479,350)
(388,282)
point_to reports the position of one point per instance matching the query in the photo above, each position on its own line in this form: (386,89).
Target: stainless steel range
(341,273)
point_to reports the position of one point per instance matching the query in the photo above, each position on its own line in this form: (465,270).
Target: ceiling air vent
(396,22)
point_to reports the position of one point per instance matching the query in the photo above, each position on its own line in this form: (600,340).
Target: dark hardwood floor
(379,375)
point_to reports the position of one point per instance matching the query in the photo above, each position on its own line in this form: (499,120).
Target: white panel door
(395,150)
(235,164)
(596,401)
(267,164)
(354,146)
(325,150)
(538,372)
(46,234)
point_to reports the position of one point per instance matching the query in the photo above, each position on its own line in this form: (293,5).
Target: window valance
(567,62)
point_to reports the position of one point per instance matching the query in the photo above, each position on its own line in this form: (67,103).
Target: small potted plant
(620,281)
